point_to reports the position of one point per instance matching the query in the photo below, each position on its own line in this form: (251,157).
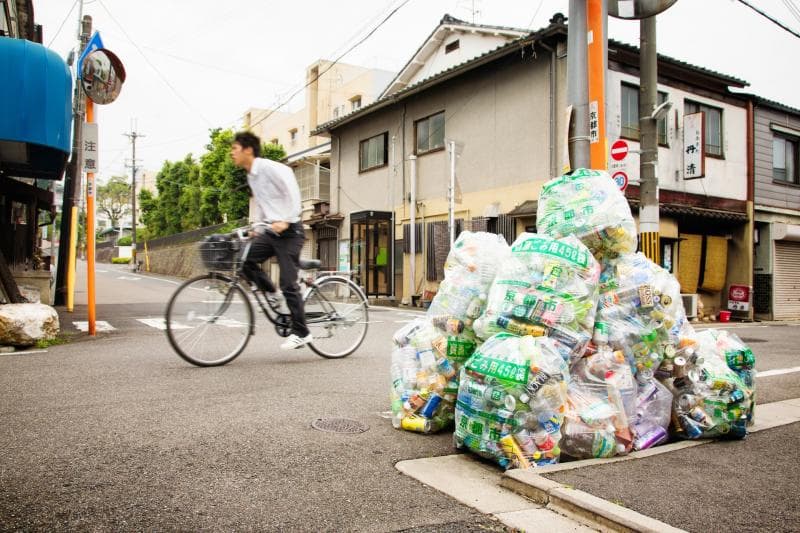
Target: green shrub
(124,241)
(121,260)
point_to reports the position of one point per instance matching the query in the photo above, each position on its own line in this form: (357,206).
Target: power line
(530,24)
(792,9)
(390,15)
(771,19)
(158,72)
(62,23)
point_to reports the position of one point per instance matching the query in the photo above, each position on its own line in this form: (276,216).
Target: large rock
(24,324)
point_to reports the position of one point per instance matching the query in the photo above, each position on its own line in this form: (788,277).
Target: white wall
(725,178)
(471,45)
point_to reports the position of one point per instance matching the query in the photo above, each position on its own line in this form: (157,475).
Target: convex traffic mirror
(102,76)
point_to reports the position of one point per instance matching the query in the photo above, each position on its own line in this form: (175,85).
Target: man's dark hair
(247,139)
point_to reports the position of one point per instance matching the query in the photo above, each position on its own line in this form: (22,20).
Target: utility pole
(648,131)
(577,85)
(133,135)
(72,179)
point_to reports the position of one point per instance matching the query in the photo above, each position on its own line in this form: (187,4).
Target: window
(355,103)
(429,133)
(451,47)
(785,159)
(372,152)
(713,126)
(630,114)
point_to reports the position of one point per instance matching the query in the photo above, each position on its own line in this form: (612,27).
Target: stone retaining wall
(180,260)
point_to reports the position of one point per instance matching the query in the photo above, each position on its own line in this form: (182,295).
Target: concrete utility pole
(72,180)
(577,85)
(648,131)
(133,136)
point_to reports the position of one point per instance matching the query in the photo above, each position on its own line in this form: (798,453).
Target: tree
(114,198)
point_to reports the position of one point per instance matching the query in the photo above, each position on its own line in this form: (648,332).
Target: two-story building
(504,110)
(775,141)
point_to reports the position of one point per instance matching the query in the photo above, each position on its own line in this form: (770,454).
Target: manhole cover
(339,425)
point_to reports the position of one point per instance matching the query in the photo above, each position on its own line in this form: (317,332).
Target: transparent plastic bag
(468,273)
(711,399)
(640,312)
(588,204)
(429,352)
(424,376)
(602,403)
(547,287)
(511,401)
(650,423)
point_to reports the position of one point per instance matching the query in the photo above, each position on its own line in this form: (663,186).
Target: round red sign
(619,150)
(621,179)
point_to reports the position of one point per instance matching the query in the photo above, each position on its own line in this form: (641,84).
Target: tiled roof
(683,64)
(772,103)
(499,51)
(557,26)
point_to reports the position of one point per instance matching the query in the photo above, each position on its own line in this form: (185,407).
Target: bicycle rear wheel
(209,320)
(336,316)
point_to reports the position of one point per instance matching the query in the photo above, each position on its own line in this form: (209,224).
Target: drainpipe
(552,135)
(391,204)
(413,226)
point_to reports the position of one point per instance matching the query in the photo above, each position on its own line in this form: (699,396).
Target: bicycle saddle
(310,264)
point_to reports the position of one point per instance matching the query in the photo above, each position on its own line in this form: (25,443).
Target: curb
(607,516)
(581,506)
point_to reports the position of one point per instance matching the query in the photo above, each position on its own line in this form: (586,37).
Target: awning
(698,212)
(525,209)
(35,110)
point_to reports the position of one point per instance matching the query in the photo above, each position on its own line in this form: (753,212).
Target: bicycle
(210,318)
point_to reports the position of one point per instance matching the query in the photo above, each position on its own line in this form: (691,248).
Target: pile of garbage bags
(568,343)
(428,352)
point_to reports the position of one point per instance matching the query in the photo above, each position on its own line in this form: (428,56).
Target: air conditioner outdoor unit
(690,304)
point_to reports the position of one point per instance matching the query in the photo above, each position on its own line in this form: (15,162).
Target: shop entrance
(371,251)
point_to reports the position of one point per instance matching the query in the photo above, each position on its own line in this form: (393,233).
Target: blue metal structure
(35,110)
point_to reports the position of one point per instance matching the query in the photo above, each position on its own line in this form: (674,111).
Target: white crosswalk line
(160,323)
(777,372)
(100,325)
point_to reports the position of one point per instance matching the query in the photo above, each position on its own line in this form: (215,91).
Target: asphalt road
(117,432)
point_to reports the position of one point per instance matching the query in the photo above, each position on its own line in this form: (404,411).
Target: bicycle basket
(219,252)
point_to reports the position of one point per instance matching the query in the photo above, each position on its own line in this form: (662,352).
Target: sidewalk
(746,485)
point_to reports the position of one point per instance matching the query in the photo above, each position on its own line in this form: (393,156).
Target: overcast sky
(197,64)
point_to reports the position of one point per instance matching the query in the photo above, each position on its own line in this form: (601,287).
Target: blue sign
(95,43)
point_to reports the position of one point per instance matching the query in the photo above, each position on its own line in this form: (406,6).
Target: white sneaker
(294,341)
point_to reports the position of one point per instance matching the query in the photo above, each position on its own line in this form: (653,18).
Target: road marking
(777,372)
(100,325)
(129,278)
(160,323)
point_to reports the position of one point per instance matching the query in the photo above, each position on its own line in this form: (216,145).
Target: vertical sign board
(344,256)
(694,134)
(90,151)
(594,123)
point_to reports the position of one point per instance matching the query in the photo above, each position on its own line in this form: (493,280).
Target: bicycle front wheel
(209,320)
(336,316)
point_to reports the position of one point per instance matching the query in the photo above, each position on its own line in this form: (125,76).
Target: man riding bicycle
(278,231)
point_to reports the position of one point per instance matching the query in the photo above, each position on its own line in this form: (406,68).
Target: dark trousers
(286,248)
